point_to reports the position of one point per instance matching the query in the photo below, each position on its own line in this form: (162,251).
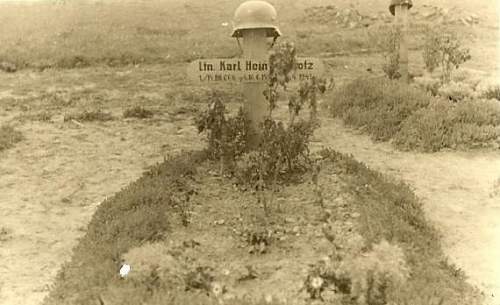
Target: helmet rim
(255,14)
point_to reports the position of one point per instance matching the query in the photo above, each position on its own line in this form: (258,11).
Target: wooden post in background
(400,8)
(402,24)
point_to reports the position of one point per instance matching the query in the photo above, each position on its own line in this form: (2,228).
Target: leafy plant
(369,278)
(200,278)
(283,148)
(387,39)
(258,240)
(391,54)
(227,137)
(181,198)
(443,49)
(374,274)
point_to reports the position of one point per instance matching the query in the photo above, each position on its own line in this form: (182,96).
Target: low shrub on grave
(373,276)
(90,116)
(468,124)
(282,146)
(139,213)
(281,149)
(378,105)
(138,112)
(390,211)
(227,136)
(9,136)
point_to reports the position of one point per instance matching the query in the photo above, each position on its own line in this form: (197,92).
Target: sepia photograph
(249,152)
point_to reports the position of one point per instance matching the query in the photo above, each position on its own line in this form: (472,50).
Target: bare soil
(223,216)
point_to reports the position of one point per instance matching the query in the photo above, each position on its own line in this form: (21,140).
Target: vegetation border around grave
(139,213)
(389,210)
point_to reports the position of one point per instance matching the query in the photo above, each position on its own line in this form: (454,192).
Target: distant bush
(492,92)
(387,39)
(90,116)
(443,49)
(391,66)
(469,124)
(456,92)
(138,112)
(429,84)
(9,136)
(379,105)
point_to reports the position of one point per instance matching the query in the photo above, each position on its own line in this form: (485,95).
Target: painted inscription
(245,70)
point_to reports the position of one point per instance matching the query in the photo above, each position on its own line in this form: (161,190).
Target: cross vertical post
(255,107)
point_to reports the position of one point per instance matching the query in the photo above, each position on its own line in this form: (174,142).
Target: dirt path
(52,182)
(460,191)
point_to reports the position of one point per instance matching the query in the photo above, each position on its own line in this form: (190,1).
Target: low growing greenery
(415,120)
(9,136)
(378,105)
(468,124)
(390,211)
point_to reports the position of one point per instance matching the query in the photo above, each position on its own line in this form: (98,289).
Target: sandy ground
(52,182)
(460,192)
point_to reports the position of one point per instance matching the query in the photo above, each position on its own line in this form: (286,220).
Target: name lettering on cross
(229,66)
(231,70)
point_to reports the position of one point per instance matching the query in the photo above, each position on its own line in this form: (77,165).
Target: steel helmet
(255,15)
(399,2)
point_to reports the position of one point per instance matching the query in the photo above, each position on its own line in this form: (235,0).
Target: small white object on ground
(124,270)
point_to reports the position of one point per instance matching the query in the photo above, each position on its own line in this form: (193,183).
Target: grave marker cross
(254,22)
